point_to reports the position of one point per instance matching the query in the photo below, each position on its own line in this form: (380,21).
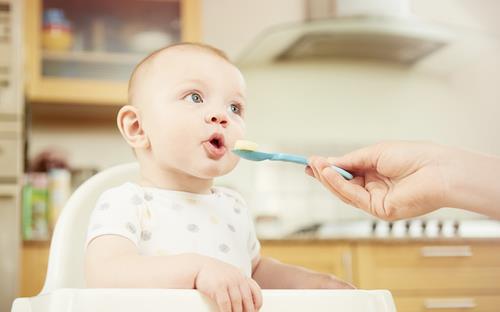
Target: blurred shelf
(92,57)
(90,77)
(38,243)
(77,91)
(75,114)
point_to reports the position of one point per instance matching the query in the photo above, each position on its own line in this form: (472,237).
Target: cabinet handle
(446,251)
(450,303)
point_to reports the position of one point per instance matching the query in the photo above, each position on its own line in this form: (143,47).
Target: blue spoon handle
(303,161)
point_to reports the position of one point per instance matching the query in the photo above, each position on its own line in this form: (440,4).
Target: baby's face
(193,112)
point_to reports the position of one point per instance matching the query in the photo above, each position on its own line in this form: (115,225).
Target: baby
(174,229)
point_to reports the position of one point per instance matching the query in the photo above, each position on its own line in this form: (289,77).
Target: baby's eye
(194,97)
(235,109)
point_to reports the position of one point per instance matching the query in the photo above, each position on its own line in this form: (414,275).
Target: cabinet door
(9,245)
(322,257)
(10,58)
(35,257)
(91,60)
(447,303)
(10,155)
(434,268)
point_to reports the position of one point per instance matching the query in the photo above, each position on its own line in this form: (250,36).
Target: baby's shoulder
(121,192)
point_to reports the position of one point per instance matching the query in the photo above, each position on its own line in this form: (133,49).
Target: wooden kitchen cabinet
(319,256)
(323,257)
(10,152)
(97,65)
(34,260)
(431,276)
(11,149)
(447,303)
(9,243)
(422,276)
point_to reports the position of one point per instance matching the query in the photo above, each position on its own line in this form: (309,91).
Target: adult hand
(396,180)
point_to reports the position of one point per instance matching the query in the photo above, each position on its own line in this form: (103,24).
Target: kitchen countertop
(388,240)
(404,231)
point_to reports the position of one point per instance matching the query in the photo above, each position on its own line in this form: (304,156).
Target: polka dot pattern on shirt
(148,196)
(168,222)
(104,206)
(145,235)
(176,207)
(224,248)
(136,200)
(130,227)
(193,228)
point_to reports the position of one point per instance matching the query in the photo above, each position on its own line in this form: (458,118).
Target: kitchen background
(325,106)
(329,107)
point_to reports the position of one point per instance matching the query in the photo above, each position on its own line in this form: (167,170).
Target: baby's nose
(217,118)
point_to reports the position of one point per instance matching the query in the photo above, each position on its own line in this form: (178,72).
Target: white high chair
(64,287)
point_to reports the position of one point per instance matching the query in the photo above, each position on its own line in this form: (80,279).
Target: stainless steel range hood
(383,35)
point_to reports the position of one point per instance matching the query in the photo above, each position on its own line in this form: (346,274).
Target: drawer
(10,127)
(334,259)
(34,262)
(10,161)
(448,304)
(11,102)
(427,268)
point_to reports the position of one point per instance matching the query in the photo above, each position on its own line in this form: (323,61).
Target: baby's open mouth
(215,146)
(217,140)
(216,143)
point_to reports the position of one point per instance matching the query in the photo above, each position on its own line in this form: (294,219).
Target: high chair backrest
(66,258)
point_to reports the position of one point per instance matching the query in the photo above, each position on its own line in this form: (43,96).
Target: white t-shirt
(165,222)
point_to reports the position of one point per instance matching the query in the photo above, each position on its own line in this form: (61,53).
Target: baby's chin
(217,169)
(214,171)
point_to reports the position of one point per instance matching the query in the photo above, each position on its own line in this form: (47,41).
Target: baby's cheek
(232,161)
(239,126)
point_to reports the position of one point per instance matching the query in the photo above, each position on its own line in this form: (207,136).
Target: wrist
(195,262)
(474,183)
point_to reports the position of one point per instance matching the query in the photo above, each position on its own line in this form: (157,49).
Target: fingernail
(309,172)
(331,159)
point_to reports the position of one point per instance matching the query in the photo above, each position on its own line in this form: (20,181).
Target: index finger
(360,160)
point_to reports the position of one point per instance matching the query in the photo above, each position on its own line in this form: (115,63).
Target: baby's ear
(130,125)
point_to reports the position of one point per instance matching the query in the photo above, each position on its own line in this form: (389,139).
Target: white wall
(232,25)
(328,108)
(335,103)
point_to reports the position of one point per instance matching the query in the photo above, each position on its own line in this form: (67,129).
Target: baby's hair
(200,46)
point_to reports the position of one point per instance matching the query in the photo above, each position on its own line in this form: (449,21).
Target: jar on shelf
(57,34)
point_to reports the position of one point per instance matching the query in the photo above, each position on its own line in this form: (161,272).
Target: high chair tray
(133,300)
